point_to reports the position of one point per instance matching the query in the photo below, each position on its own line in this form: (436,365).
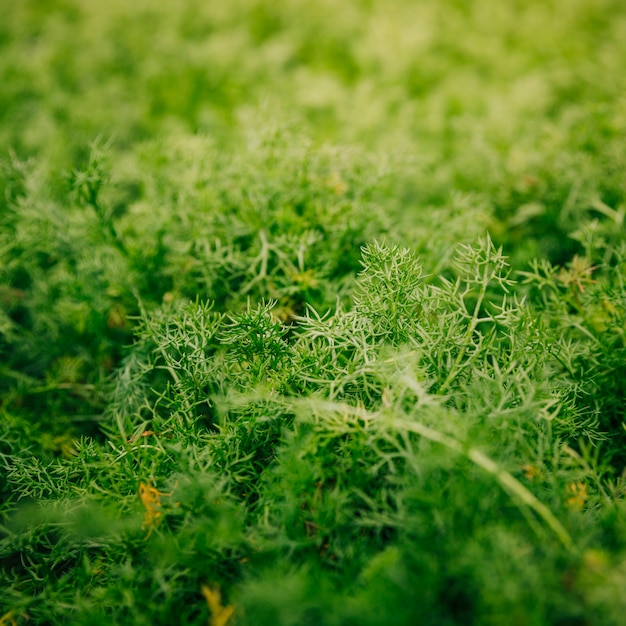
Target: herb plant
(312,314)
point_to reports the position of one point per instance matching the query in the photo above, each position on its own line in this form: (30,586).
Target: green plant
(328,445)
(312,314)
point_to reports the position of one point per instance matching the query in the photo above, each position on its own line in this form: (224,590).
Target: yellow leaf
(578,495)
(8,619)
(151,499)
(220,615)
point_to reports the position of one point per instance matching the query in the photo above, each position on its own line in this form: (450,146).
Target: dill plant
(261,362)
(333,458)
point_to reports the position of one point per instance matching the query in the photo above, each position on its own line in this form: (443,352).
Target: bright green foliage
(312,313)
(343,460)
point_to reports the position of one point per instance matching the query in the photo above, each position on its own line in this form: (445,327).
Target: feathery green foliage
(312,314)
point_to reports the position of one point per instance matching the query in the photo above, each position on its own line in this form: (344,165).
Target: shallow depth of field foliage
(313,312)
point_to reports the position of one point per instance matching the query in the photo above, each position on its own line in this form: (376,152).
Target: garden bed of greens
(313,312)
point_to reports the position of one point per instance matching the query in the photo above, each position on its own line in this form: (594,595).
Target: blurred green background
(520,105)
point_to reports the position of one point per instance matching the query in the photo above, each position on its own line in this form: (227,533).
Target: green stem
(454,370)
(507,481)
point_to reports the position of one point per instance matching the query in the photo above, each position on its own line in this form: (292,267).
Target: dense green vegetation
(313,312)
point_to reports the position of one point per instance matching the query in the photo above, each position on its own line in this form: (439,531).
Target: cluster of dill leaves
(354,356)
